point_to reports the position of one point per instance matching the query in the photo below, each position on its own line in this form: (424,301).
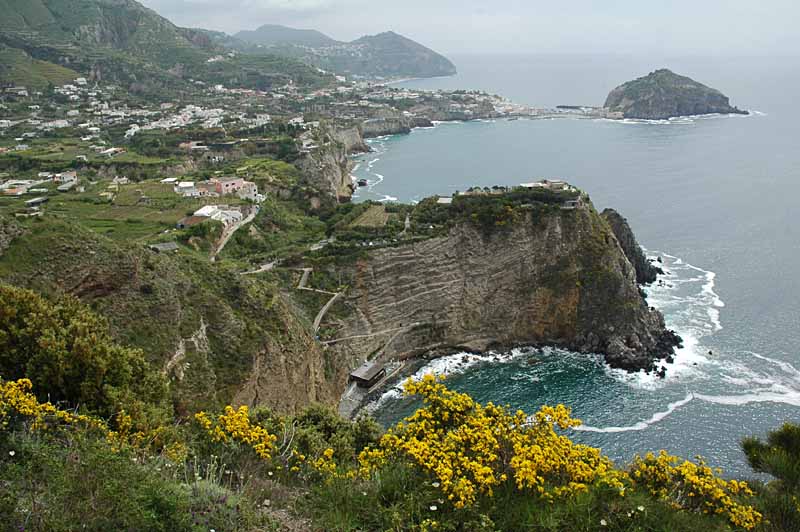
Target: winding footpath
(302,285)
(228,232)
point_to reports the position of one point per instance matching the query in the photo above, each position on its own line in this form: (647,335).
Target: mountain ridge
(383,55)
(124,41)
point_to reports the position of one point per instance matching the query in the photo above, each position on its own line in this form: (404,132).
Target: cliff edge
(548,275)
(646,272)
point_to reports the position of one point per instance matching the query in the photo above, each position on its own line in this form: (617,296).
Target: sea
(715,197)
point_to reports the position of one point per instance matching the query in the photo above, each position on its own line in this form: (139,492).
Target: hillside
(17,66)
(270,34)
(386,55)
(663,94)
(122,41)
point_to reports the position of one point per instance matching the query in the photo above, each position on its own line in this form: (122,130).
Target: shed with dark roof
(368,374)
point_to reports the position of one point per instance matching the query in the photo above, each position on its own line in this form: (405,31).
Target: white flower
(11,453)
(270,473)
(435,484)
(640,508)
(434,507)
(603,522)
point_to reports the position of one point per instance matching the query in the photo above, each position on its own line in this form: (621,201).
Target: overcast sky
(692,27)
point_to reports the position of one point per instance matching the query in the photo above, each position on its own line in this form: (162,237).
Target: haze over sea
(715,197)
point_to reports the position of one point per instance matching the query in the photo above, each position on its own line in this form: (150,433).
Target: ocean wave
(685,295)
(641,425)
(681,120)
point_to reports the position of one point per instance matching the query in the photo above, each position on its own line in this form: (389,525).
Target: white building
(187,189)
(215,212)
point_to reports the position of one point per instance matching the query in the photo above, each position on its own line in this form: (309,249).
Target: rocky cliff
(646,273)
(554,276)
(219,336)
(399,125)
(327,167)
(663,94)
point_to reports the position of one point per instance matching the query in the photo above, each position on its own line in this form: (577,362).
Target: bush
(68,354)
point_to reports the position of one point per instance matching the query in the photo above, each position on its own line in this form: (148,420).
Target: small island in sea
(663,94)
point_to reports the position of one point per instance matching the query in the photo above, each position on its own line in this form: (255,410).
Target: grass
(140,212)
(374,216)
(20,68)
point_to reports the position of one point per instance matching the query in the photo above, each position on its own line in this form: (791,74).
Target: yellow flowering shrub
(470,448)
(124,435)
(235,425)
(694,486)
(16,399)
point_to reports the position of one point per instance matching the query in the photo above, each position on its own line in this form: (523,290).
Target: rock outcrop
(327,167)
(663,94)
(646,272)
(554,277)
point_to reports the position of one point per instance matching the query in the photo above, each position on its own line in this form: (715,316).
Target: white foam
(642,425)
(744,399)
(692,312)
(684,120)
(447,365)
(775,394)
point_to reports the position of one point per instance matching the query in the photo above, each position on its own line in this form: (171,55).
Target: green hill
(123,41)
(271,34)
(386,55)
(663,94)
(17,65)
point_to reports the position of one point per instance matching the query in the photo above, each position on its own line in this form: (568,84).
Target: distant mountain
(271,34)
(123,41)
(386,55)
(663,94)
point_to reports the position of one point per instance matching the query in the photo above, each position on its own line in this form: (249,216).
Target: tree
(68,354)
(779,456)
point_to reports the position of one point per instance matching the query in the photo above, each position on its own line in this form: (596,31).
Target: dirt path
(228,232)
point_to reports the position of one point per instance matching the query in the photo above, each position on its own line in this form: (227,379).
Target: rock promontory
(540,274)
(663,94)
(646,272)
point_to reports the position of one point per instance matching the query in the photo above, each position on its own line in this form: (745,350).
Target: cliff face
(327,167)
(220,337)
(663,94)
(558,278)
(392,125)
(646,273)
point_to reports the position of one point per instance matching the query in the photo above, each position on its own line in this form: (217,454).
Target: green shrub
(67,352)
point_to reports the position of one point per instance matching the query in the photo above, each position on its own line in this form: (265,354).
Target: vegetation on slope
(123,41)
(22,69)
(453,465)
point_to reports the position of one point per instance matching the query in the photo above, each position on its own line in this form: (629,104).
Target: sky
(689,27)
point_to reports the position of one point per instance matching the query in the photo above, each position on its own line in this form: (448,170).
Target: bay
(715,197)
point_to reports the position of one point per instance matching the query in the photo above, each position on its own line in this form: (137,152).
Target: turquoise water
(715,197)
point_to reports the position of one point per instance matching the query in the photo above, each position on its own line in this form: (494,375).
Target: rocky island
(663,94)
